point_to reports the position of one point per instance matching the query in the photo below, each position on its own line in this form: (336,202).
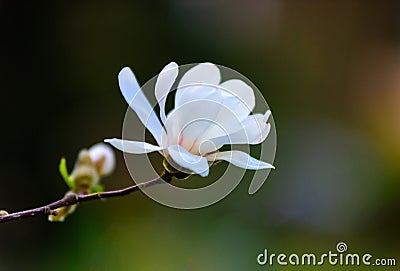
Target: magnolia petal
(136,99)
(253,130)
(266,116)
(230,110)
(263,135)
(240,159)
(204,126)
(207,73)
(164,83)
(216,93)
(187,160)
(134,147)
(197,82)
(228,120)
(241,90)
(190,93)
(187,123)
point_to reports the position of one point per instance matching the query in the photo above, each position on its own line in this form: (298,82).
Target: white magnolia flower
(207,115)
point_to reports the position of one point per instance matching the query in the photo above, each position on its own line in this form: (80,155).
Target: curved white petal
(230,109)
(190,93)
(253,130)
(102,155)
(187,124)
(240,159)
(200,78)
(134,147)
(202,73)
(134,96)
(187,160)
(232,112)
(266,115)
(217,93)
(207,117)
(241,90)
(164,83)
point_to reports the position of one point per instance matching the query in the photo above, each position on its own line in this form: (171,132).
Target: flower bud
(90,167)
(103,158)
(85,173)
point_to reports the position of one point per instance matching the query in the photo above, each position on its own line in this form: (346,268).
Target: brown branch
(72,199)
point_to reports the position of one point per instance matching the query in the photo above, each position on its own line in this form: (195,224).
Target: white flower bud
(103,157)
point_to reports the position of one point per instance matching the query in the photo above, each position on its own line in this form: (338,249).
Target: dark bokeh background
(330,71)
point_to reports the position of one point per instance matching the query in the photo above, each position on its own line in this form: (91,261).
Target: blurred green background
(330,71)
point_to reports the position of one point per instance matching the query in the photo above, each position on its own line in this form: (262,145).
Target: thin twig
(72,199)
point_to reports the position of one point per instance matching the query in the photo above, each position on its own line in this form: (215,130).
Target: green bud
(64,173)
